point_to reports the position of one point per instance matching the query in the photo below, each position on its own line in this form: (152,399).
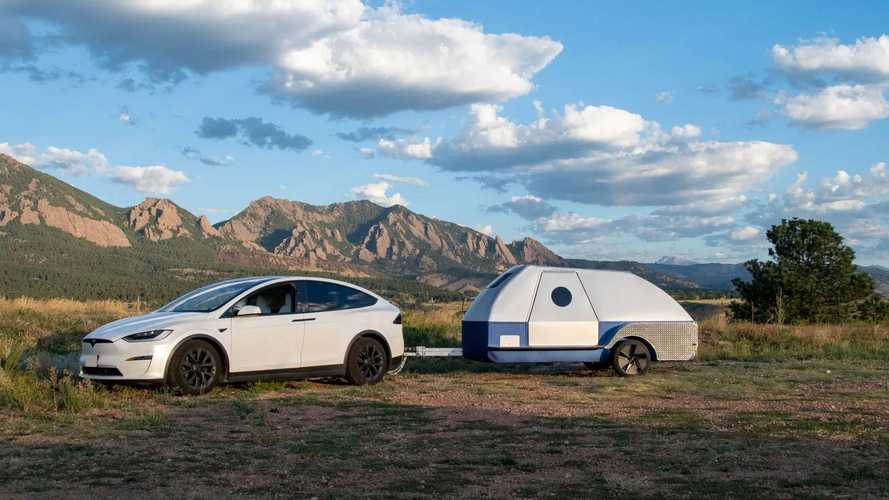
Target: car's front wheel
(367,362)
(196,367)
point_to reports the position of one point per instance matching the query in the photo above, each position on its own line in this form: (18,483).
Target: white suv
(250,329)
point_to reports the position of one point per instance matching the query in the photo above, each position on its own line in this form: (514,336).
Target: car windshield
(210,297)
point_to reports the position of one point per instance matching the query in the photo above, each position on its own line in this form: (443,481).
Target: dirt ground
(458,429)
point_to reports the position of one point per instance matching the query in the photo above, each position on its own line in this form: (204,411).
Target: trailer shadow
(458,365)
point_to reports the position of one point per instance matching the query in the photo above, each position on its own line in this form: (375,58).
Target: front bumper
(122,360)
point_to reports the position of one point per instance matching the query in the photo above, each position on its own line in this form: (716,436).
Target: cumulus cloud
(398,179)
(851,103)
(600,155)
(73,162)
(24,152)
(412,148)
(393,61)
(367,152)
(493,142)
(867,56)
(486,229)
(850,107)
(663,97)
(857,204)
(339,57)
(374,133)
(746,87)
(252,131)
(212,161)
(147,179)
(379,194)
(125,116)
(527,207)
(745,233)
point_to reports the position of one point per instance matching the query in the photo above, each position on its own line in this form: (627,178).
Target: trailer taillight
(397,319)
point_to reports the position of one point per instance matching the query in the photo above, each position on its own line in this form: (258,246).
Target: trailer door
(562,315)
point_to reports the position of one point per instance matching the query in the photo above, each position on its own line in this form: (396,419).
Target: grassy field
(770,411)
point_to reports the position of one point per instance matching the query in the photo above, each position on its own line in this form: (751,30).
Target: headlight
(148,336)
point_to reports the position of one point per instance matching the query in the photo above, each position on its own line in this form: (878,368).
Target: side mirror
(249,311)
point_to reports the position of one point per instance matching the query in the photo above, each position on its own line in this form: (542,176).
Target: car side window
(271,301)
(320,296)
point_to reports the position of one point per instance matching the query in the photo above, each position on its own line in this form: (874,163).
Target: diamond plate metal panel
(671,340)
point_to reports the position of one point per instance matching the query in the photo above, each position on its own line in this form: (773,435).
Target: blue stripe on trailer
(547,356)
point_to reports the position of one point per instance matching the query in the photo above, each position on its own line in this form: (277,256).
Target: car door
(333,314)
(562,315)
(268,341)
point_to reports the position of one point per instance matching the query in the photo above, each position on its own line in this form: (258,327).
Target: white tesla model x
(249,329)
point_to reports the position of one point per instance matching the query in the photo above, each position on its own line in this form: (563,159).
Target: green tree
(874,310)
(811,277)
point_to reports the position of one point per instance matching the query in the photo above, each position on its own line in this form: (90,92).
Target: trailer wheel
(630,358)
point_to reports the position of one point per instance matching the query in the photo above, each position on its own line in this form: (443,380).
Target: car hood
(151,321)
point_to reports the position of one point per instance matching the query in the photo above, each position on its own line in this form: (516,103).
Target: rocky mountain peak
(157,219)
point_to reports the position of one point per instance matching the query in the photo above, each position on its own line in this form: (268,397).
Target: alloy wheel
(198,368)
(632,358)
(370,361)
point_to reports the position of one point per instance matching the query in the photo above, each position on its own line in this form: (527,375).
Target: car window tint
(271,301)
(318,296)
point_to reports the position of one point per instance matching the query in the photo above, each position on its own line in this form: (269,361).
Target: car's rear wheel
(367,362)
(196,367)
(630,357)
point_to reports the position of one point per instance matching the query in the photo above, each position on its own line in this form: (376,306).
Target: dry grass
(801,427)
(67,306)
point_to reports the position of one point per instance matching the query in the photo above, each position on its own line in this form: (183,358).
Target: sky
(628,130)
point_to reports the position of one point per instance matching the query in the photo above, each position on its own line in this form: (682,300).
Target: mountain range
(59,240)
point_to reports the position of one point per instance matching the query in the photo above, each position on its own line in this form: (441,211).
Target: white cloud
(73,162)
(317,152)
(148,179)
(486,229)
(24,152)
(379,194)
(602,155)
(850,107)
(367,152)
(340,57)
(397,179)
(745,233)
(867,56)
(663,97)
(392,61)
(410,148)
(527,206)
(688,131)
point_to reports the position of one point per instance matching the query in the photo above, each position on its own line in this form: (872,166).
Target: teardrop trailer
(534,314)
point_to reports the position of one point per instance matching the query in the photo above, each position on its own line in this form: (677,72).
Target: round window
(561,296)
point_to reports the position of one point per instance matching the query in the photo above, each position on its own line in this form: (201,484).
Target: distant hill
(676,261)
(59,241)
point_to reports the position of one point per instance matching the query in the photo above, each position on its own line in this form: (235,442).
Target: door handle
(297,320)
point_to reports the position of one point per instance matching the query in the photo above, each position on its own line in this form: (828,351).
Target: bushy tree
(810,279)
(874,310)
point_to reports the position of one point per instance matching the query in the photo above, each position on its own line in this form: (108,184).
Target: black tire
(196,368)
(630,358)
(367,362)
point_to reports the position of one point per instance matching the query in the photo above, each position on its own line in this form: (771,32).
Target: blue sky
(625,131)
